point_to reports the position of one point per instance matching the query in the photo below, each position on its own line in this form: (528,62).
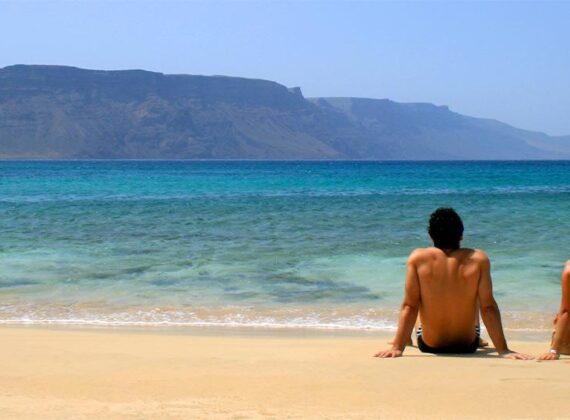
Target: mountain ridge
(62,112)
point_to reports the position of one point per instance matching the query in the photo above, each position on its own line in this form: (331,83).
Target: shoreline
(291,321)
(118,374)
(206,331)
(520,335)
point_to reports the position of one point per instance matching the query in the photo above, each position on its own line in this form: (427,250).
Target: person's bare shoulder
(479,256)
(419,255)
(475,257)
(566,270)
(566,274)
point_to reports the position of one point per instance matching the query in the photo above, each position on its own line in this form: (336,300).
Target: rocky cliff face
(53,112)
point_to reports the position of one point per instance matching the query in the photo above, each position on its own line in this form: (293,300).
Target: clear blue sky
(504,60)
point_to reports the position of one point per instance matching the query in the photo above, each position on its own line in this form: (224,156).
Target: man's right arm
(409,311)
(490,312)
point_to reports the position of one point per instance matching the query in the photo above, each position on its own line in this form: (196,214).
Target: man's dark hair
(445,228)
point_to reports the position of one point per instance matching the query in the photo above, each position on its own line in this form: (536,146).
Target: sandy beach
(115,374)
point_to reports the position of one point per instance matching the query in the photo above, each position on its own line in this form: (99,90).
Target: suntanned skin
(482,343)
(561,336)
(445,287)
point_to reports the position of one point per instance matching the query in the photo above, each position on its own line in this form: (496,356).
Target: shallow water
(268,244)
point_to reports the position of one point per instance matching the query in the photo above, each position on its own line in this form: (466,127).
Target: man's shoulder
(473,253)
(477,253)
(566,271)
(419,254)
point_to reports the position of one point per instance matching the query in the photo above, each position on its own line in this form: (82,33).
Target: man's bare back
(449,284)
(445,285)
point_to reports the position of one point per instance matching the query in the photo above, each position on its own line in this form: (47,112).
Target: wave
(293,319)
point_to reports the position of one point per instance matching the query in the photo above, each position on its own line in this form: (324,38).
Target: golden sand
(99,374)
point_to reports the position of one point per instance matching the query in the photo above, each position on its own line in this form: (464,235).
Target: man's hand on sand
(389,353)
(549,356)
(514,355)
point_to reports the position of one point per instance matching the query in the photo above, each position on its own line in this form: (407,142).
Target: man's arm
(562,319)
(408,312)
(490,312)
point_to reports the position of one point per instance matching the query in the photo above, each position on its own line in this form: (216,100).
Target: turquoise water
(272,244)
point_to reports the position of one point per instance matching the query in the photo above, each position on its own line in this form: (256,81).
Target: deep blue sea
(266,244)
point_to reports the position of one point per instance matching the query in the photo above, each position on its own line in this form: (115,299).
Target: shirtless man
(561,338)
(444,284)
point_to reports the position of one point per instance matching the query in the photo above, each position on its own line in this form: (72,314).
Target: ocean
(284,245)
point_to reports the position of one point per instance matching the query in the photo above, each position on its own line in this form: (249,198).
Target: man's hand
(514,355)
(389,353)
(549,356)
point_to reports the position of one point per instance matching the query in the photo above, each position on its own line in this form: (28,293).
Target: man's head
(445,228)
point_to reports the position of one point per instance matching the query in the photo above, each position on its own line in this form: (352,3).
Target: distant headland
(59,112)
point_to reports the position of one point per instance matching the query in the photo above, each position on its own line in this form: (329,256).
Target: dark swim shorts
(453,349)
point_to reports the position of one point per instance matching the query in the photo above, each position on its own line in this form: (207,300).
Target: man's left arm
(408,312)
(562,319)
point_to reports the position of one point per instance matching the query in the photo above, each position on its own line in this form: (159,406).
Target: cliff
(56,112)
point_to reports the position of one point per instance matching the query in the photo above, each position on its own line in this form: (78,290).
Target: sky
(504,60)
